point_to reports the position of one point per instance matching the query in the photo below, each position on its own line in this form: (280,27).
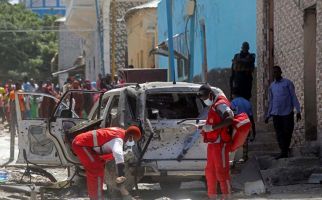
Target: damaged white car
(170,151)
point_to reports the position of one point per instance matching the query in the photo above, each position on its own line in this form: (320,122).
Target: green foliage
(23,48)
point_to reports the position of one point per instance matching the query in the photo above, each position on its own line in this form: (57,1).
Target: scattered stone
(288,171)
(286,176)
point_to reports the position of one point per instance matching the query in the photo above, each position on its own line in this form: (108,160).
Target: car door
(33,112)
(44,123)
(72,113)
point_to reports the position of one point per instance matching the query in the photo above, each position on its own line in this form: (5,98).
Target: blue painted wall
(46,7)
(228,23)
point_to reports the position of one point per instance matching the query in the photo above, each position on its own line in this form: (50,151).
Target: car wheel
(167,185)
(39,171)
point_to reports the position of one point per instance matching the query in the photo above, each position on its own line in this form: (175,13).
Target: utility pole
(100,31)
(170,40)
(204,52)
(192,43)
(113,31)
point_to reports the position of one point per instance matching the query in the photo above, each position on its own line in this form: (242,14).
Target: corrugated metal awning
(78,64)
(67,70)
(131,11)
(180,49)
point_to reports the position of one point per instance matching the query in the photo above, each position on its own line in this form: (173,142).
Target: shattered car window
(76,104)
(102,107)
(113,114)
(132,101)
(37,106)
(173,106)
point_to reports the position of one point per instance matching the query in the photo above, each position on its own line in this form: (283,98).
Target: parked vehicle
(166,112)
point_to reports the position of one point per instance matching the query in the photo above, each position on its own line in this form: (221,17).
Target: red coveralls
(217,169)
(93,163)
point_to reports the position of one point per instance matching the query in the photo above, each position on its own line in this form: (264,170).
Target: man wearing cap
(216,134)
(94,147)
(242,71)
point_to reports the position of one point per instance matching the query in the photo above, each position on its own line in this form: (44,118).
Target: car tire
(167,185)
(40,171)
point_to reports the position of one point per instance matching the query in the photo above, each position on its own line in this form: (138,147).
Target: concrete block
(254,187)
(250,173)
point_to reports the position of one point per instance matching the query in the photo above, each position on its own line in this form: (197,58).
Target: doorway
(310,25)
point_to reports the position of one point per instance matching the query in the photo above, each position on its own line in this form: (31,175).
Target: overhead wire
(41,30)
(47,29)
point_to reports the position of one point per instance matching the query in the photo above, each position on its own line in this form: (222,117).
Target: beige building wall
(289,29)
(142,38)
(120,33)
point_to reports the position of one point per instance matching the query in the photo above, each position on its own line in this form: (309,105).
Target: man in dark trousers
(241,105)
(282,100)
(242,71)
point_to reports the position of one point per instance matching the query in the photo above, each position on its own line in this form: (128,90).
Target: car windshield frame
(53,116)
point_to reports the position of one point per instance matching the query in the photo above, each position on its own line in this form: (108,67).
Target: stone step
(263,153)
(261,126)
(265,142)
(268,140)
(266,162)
(260,146)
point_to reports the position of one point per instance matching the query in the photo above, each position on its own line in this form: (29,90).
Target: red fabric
(241,125)
(93,163)
(94,170)
(217,169)
(107,157)
(214,118)
(103,135)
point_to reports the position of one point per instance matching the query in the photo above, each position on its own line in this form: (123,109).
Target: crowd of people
(31,108)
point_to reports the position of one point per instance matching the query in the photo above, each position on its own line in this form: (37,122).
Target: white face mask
(130,143)
(208,102)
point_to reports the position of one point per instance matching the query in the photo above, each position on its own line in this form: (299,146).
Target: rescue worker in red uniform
(216,134)
(94,147)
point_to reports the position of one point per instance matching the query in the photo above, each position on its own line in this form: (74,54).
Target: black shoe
(281,156)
